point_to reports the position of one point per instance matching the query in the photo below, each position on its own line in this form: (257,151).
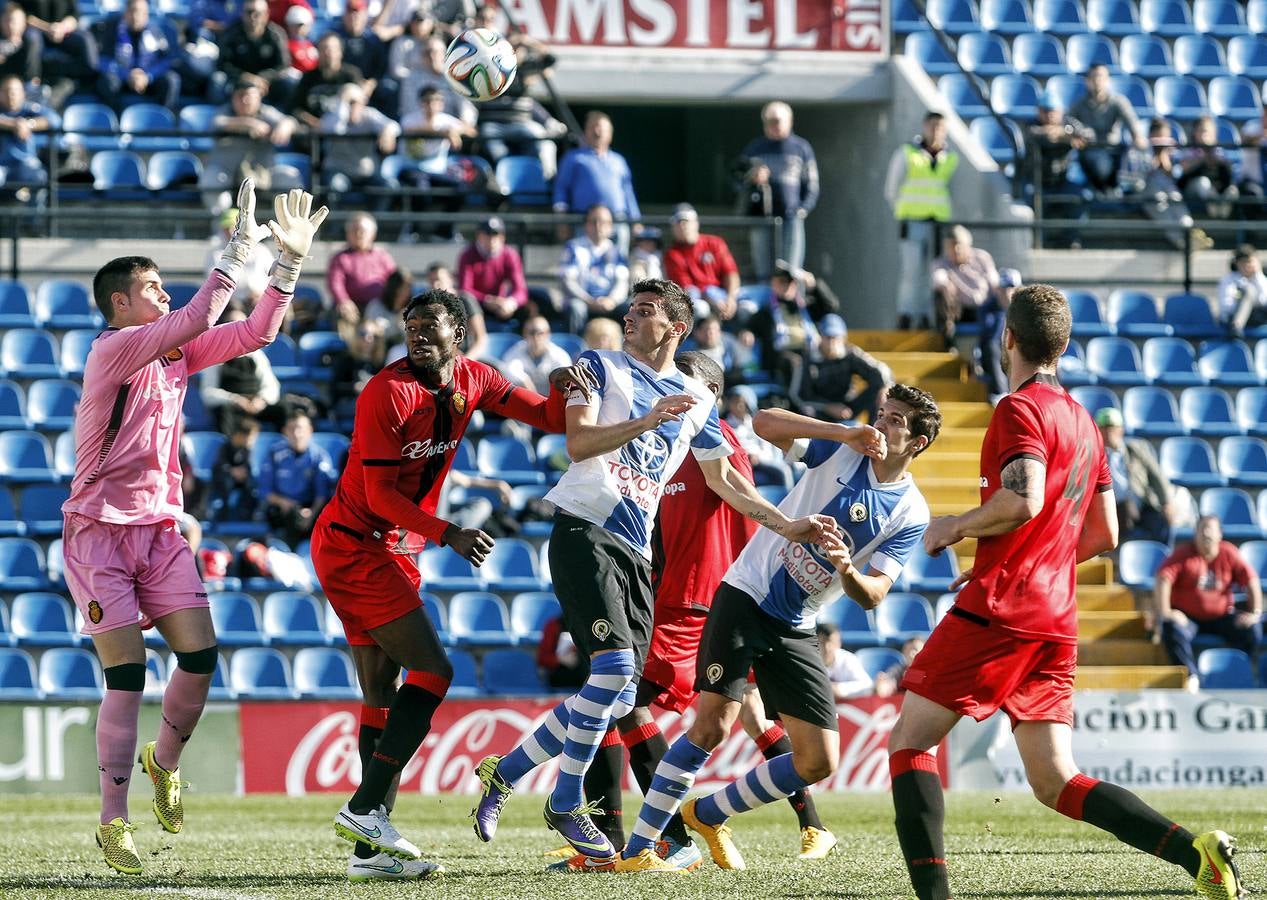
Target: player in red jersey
(409,421)
(1011,640)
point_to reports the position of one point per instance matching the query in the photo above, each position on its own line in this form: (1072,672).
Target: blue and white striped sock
(545,743)
(773,780)
(673,778)
(610,675)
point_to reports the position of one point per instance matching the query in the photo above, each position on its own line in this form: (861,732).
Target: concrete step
(1094,625)
(1129,678)
(945,390)
(896,341)
(911,368)
(939,462)
(958,414)
(1121,652)
(957,439)
(1105,598)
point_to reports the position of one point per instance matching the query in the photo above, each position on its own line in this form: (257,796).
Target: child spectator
(848,677)
(296,480)
(232,482)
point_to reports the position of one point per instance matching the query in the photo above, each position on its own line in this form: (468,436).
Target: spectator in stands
(137,59)
(784,329)
(432,133)
(197,63)
(593,273)
(644,259)
(21,46)
(491,271)
(1143,494)
(1193,595)
(733,353)
(516,123)
(1252,163)
(1242,292)
(475,344)
(296,480)
(530,362)
(233,497)
(781,168)
(702,265)
(409,47)
(596,175)
(303,53)
(20,121)
(843,381)
(318,90)
(253,132)
(359,361)
(69,55)
(562,665)
(395,20)
(363,50)
(1162,200)
(1206,176)
(385,310)
(244,386)
(253,280)
(603,334)
(990,336)
(356,138)
(1054,141)
(848,677)
(277,9)
(357,273)
(964,279)
(886,682)
(1107,114)
(254,50)
(426,69)
(738,405)
(918,188)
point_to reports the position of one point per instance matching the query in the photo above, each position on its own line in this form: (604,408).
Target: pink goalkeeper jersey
(127,428)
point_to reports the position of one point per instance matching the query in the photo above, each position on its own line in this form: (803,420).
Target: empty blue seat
(926,49)
(1093,398)
(332,627)
(1247,55)
(260,673)
(1235,98)
(1007,17)
(901,616)
(508,458)
(15,305)
(465,682)
(21,565)
(1082,51)
(478,618)
(1166,18)
(237,619)
(1171,361)
(18,680)
(92,126)
(1039,55)
(41,506)
(1220,18)
(857,625)
(25,456)
(293,618)
(12,406)
(1063,17)
(1088,316)
(1200,56)
(1151,412)
(931,573)
(436,612)
(877,660)
(1251,410)
(1244,461)
(984,54)
(10,524)
(61,303)
(1015,96)
(523,181)
(1227,363)
(953,16)
(1225,668)
(74,350)
(512,566)
(41,619)
(316,352)
(529,613)
(1134,314)
(283,357)
(1256,16)
(68,673)
(1072,366)
(141,124)
(996,141)
(1208,411)
(325,673)
(50,404)
(29,353)
(1190,316)
(196,120)
(512,673)
(55,566)
(906,18)
(1137,93)
(1189,461)
(155,674)
(1179,97)
(203,449)
(335,444)
(1115,18)
(443,570)
(118,174)
(1234,510)
(1145,55)
(1255,554)
(1138,562)
(1115,361)
(961,95)
(174,175)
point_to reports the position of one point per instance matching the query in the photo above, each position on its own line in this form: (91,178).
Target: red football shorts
(975,670)
(671,658)
(366,583)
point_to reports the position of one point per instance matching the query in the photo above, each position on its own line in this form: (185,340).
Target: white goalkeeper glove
(245,235)
(294,230)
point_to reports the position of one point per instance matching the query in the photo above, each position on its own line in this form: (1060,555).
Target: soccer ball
(480,64)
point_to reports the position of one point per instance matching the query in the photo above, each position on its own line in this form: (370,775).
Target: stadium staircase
(1114,650)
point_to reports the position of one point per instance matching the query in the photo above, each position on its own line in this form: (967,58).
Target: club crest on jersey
(459,403)
(601,629)
(94,612)
(713,673)
(857,513)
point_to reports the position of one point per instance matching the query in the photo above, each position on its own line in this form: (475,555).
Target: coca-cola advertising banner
(302,748)
(854,27)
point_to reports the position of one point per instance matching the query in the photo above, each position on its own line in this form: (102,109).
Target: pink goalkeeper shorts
(124,574)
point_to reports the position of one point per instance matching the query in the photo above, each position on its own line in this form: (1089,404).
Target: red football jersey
(706,263)
(1023,582)
(697,535)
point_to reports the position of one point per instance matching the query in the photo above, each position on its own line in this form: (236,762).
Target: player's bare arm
(587,439)
(867,590)
(1019,499)
(1099,531)
(783,428)
(741,495)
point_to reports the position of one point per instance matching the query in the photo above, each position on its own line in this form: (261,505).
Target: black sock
(602,786)
(921,810)
(367,740)
(1129,819)
(407,724)
(645,752)
(801,801)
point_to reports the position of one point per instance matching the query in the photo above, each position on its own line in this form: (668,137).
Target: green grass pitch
(1004,846)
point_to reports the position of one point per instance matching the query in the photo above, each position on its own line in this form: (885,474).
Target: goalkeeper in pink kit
(126,563)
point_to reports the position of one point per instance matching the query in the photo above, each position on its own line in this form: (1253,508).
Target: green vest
(925,193)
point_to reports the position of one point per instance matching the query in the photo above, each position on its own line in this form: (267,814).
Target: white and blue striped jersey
(881,523)
(621,490)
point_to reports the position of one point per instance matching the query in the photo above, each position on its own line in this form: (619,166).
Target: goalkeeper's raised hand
(294,230)
(245,235)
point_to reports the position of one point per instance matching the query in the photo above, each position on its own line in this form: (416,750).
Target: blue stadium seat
(995,140)
(332,627)
(283,357)
(1227,363)
(1179,97)
(1220,18)
(1251,411)
(1244,461)
(1208,411)
(69,673)
(512,566)
(507,458)
(1234,509)
(522,181)
(15,305)
(1088,316)
(1255,553)
(501,341)
(325,673)
(984,54)
(260,673)
(198,118)
(155,674)
(1189,461)
(1063,17)
(1039,55)
(41,506)
(195,411)
(959,94)
(1115,361)
(18,680)
(1236,98)
(906,18)
(478,618)
(75,345)
(877,660)
(1093,398)
(1225,668)
(80,118)
(29,353)
(42,619)
(1151,411)
(1138,562)
(1256,16)
(237,619)
(55,566)
(300,162)
(1082,51)
(953,16)
(293,618)
(140,124)
(1137,92)
(926,49)
(10,524)
(1134,314)
(464,458)
(529,613)
(1191,316)
(1015,96)
(1171,361)
(117,174)
(1115,18)
(1007,17)
(1200,56)
(437,613)
(203,449)
(465,682)
(1146,56)
(1165,18)
(174,175)
(900,617)
(335,444)
(444,570)
(931,573)
(1227,132)
(50,404)
(12,406)
(316,352)
(25,456)
(574,344)
(66,304)
(857,625)
(512,673)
